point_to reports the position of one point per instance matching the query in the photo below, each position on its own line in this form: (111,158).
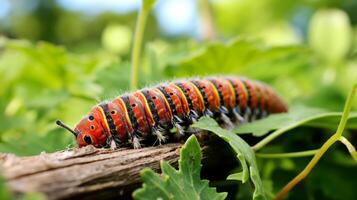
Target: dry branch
(88,173)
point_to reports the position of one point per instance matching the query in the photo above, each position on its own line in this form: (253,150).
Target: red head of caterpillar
(96,128)
(91,129)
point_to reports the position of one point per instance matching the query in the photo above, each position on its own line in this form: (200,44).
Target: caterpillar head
(96,128)
(90,130)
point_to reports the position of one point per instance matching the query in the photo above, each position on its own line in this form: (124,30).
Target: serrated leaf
(296,116)
(242,149)
(184,183)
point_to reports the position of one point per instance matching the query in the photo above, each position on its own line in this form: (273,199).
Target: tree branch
(87,173)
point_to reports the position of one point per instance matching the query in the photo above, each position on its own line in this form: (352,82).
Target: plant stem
(350,147)
(208,31)
(138,38)
(287,155)
(346,111)
(308,168)
(335,137)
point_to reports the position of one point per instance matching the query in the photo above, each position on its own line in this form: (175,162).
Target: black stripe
(258,94)
(249,99)
(264,93)
(169,100)
(235,92)
(205,100)
(218,90)
(151,105)
(186,95)
(129,109)
(109,119)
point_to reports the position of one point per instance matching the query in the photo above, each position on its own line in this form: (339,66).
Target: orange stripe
(104,119)
(199,94)
(165,100)
(232,91)
(125,111)
(215,90)
(182,95)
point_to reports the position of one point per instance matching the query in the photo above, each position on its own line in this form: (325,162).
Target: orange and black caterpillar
(151,112)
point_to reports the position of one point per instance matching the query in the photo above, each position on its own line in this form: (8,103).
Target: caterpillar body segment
(149,114)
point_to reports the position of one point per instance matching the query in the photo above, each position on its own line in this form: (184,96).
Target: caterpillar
(151,113)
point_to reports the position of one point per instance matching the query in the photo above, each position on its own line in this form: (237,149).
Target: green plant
(41,82)
(138,37)
(334,138)
(182,184)
(246,155)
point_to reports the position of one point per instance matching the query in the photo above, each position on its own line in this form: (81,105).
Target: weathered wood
(87,173)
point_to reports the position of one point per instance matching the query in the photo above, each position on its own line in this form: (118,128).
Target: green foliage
(182,184)
(337,136)
(297,116)
(39,84)
(330,179)
(241,56)
(244,154)
(288,45)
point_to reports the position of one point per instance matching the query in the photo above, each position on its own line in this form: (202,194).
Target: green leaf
(243,56)
(184,183)
(244,153)
(297,116)
(44,83)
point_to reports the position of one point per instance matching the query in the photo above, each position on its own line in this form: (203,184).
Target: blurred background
(58,58)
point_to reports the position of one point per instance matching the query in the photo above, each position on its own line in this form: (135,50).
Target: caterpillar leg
(193,116)
(135,140)
(179,129)
(176,119)
(227,123)
(256,114)
(113,143)
(159,133)
(177,122)
(224,110)
(239,119)
(247,114)
(208,113)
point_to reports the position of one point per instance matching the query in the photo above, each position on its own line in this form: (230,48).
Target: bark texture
(91,173)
